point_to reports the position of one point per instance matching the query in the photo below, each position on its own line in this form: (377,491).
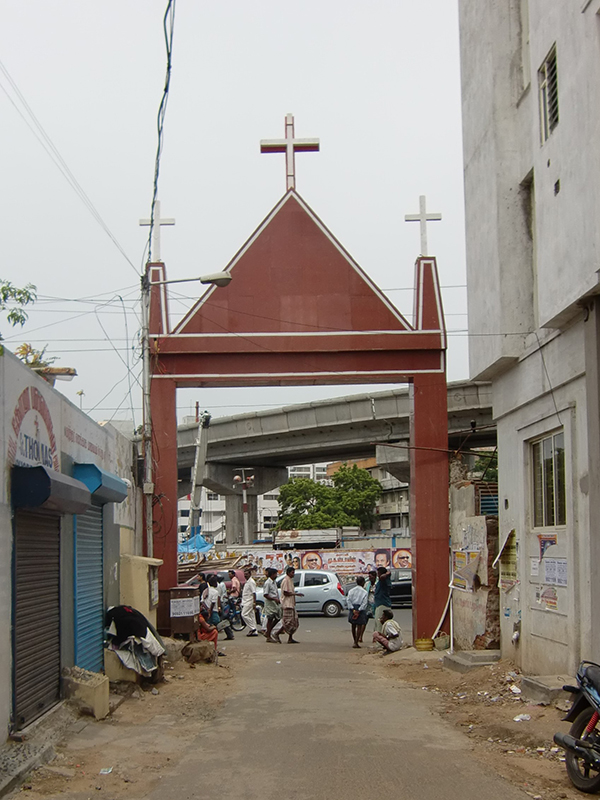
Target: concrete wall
(532,211)
(135,586)
(58,435)
(475,610)
(496,161)
(552,640)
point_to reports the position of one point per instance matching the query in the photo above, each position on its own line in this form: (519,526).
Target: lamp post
(245,481)
(215,279)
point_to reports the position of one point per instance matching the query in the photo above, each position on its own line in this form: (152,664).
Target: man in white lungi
(249,603)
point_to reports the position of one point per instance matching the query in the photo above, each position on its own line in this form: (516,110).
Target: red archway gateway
(300,311)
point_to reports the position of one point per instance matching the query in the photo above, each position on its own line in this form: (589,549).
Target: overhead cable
(168,28)
(40,134)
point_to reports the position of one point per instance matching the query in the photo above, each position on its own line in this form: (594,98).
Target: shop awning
(41,487)
(104,486)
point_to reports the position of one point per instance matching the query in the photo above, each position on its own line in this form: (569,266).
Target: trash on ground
(515,690)
(106,770)
(522,718)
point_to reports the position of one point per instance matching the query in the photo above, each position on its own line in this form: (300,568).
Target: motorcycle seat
(591,674)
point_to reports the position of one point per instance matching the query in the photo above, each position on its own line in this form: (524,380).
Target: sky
(378,83)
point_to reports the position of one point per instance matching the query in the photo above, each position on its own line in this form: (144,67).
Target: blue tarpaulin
(195,544)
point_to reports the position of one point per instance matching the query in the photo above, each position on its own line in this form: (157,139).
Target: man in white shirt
(221,589)
(210,600)
(249,603)
(273,610)
(357,600)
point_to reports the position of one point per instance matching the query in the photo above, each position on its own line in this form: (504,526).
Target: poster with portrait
(344,562)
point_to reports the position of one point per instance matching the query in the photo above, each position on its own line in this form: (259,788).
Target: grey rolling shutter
(89,590)
(36,616)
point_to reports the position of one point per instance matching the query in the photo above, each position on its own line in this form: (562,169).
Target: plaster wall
(532,263)
(475,610)
(499,269)
(556,628)
(39,425)
(516,258)
(567,233)
(135,584)
(6,542)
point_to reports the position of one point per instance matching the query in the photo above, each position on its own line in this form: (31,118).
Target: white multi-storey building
(213,506)
(531,119)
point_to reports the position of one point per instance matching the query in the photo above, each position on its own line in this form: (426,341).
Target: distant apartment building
(392,510)
(213,507)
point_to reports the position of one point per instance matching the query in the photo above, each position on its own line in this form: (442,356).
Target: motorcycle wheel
(582,775)
(237,623)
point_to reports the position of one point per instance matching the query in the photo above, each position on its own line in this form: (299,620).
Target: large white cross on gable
(158,221)
(290,146)
(423,218)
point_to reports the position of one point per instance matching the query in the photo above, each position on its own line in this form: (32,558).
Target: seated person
(390,637)
(206,631)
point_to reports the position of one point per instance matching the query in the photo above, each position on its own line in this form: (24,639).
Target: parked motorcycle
(582,743)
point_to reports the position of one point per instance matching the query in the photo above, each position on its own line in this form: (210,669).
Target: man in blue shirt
(383,594)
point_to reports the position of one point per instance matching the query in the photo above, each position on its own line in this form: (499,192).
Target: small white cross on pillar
(154,254)
(290,146)
(423,218)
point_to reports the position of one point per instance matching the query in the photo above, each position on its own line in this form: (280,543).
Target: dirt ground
(483,705)
(144,735)
(147,734)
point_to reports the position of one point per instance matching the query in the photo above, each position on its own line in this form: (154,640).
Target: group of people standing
(370,600)
(279,606)
(374,601)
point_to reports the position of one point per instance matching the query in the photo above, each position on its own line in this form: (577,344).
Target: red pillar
(429,517)
(163,394)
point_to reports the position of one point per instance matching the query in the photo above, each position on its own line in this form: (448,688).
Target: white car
(323,592)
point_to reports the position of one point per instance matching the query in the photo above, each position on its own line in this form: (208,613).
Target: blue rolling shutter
(89,590)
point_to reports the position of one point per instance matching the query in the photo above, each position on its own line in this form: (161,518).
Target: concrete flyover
(355,426)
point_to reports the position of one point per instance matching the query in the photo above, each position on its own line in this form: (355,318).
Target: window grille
(548,467)
(548,83)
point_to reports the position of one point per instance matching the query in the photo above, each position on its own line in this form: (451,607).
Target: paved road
(315,720)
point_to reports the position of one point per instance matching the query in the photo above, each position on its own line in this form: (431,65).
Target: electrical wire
(116,350)
(46,142)
(168,29)
(87,298)
(128,366)
(548,377)
(110,391)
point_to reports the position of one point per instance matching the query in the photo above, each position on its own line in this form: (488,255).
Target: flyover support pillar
(234,518)
(164,453)
(429,514)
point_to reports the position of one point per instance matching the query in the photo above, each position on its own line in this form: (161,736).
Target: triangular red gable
(293,276)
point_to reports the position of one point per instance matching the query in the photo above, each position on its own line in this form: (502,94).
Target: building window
(549,505)
(212,496)
(548,82)
(184,512)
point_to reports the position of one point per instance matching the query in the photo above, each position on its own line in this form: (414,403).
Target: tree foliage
(32,357)
(13,301)
(305,504)
(487,464)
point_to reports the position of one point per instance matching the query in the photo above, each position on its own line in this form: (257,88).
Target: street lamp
(245,481)
(215,279)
